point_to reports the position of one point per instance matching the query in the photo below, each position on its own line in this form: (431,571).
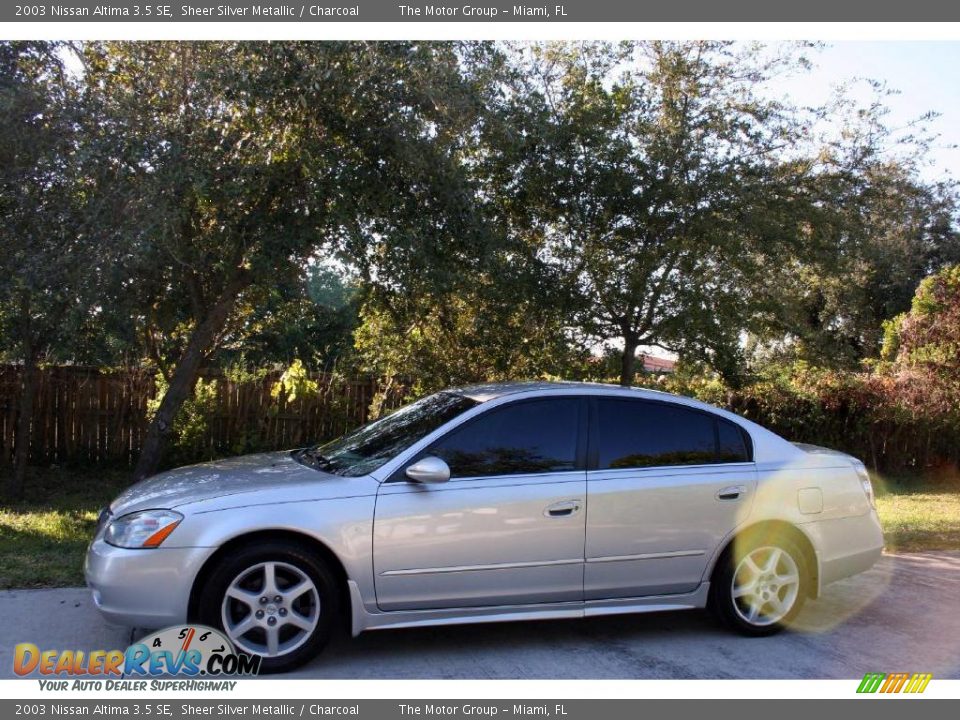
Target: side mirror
(429,470)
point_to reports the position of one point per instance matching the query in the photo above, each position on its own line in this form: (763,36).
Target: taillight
(865,483)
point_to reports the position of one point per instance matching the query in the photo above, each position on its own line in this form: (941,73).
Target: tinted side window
(732,445)
(527,437)
(641,434)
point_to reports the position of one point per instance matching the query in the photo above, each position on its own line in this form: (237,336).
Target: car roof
(767,446)
(491,391)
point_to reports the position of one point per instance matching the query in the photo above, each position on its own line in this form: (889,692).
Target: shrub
(190,440)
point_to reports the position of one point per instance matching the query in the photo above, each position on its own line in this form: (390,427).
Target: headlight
(144,529)
(865,483)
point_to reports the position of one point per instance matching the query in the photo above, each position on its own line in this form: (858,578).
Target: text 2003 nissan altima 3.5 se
(490,503)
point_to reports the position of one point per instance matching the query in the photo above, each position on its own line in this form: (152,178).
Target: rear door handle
(733,492)
(565,508)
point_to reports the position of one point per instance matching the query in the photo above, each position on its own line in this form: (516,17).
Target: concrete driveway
(903,615)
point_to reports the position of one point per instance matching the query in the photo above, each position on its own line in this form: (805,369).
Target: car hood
(207,481)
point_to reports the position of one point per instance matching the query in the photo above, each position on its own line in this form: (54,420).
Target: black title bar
(491,11)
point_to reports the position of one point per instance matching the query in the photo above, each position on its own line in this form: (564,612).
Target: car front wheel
(760,585)
(274,600)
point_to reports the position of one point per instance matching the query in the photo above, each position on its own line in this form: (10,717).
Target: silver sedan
(490,503)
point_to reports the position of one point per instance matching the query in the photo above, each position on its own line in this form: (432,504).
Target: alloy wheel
(270,609)
(765,586)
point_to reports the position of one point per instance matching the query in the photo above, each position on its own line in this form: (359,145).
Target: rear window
(732,443)
(634,433)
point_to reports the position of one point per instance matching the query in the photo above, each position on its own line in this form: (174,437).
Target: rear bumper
(142,588)
(845,546)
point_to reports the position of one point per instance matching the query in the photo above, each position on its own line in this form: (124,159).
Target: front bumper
(147,588)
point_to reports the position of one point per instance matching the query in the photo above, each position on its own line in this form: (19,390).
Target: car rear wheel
(274,600)
(760,585)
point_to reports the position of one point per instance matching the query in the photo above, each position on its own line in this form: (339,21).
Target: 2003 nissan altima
(490,503)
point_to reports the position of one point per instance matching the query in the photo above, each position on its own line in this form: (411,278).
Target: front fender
(343,525)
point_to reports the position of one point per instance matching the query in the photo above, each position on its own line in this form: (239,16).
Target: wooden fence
(84,416)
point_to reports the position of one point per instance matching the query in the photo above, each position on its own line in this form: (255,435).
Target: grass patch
(44,537)
(919,514)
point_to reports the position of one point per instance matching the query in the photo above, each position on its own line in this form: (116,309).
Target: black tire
(735,612)
(287,555)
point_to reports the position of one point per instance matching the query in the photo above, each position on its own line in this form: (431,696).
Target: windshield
(370,446)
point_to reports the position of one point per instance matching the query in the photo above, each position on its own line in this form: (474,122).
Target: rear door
(508,528)
(666,484)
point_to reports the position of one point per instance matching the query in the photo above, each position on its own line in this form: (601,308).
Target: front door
(507,529)
(668,484)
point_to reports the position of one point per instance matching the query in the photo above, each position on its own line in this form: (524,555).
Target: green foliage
(649,177)
(51,260)
(240,164)
(927,339)
(434,343)
(241,411)
(883,230)
(890,345)
(929,336)
(294,383)
(310,317)
(442,213)
(190,432)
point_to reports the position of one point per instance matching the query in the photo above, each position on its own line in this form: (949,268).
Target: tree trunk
(628,361)
(21,455)
(184,378)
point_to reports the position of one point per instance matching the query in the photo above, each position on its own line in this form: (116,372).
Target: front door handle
(565,508)
(733,492)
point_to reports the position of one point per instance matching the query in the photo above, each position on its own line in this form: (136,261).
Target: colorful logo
(894,682)
(188,650)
